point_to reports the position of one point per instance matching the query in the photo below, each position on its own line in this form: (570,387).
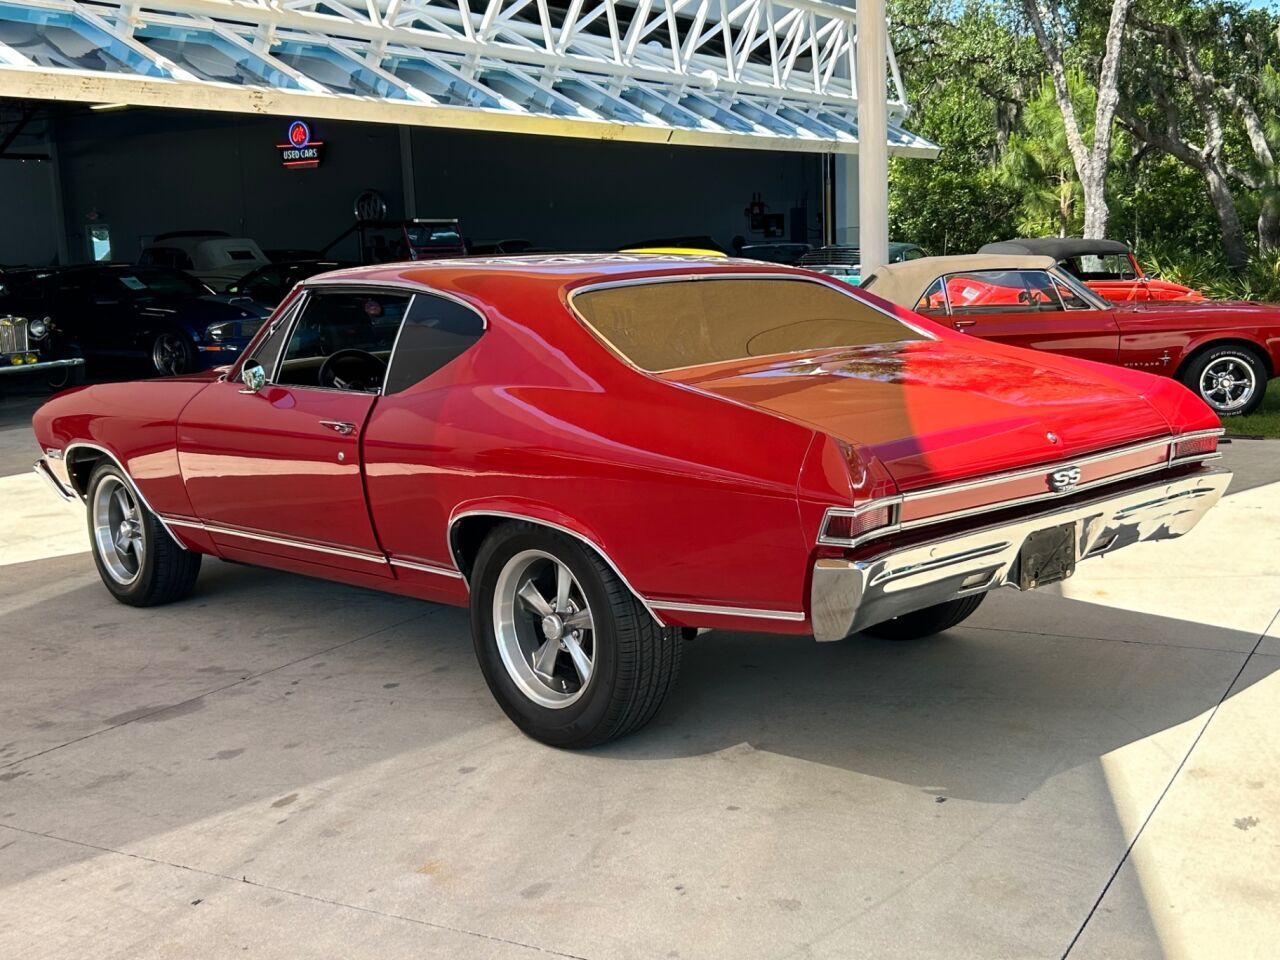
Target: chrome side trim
(1169,441)
(850,595)
(214,528)
(42,468)
(458,515)
(76,444)
(751,614)
(427,568)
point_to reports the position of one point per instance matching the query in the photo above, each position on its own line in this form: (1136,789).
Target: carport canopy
(762,74)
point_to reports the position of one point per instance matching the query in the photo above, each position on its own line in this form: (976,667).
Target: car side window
(933,300)
(361,325)
(1070,299)
(267,350)
(1001,291)
(172,257)
(264,284)
(435,331)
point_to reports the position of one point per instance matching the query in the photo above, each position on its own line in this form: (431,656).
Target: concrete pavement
(280,767)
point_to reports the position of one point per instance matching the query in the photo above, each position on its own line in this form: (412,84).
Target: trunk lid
(936,411)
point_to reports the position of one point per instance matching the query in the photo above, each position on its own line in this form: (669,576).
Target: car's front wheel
(930,620)
(137,559)
(570,654)
(172,354)
(1230,379)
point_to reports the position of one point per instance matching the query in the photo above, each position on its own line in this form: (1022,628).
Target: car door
(92,312)
(278,471)
(1026,308)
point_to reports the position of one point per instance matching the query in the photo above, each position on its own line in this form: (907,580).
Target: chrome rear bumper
(850,595)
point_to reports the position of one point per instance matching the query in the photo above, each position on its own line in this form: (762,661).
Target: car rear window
(685,323)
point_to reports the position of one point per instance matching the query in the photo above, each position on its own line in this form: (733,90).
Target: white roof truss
(764,74)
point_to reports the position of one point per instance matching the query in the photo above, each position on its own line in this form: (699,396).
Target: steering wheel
(352,370)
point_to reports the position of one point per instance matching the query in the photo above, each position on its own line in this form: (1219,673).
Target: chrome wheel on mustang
(1228,384)
(572,656)
(1231,379)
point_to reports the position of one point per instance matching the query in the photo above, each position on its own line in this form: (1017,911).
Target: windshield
(684,323)
(1088,300)
(144,281)
(437,235)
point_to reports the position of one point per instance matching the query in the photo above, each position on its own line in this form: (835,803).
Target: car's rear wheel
(570,654)
(1230,379)
(927,622)
(137,559)
(172,353)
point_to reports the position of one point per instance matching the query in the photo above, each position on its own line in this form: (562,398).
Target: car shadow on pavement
(980,713)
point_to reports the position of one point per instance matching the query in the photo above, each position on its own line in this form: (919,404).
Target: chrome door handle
(961,324)
(339,426)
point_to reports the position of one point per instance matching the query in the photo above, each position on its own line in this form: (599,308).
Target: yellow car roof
(676,251)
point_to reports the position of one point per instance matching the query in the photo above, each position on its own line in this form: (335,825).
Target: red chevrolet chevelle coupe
(602,455)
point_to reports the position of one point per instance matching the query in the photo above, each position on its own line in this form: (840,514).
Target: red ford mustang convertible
(602,455)
(1226,352)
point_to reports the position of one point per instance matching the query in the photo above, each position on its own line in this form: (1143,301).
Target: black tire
(172,354)
(60,378)
(167,572)
(1239,362)
(927,622)
(635,661)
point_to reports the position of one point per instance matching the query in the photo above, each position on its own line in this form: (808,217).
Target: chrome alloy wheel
(544,629)
(169,354)
(117,530)
(1228,383)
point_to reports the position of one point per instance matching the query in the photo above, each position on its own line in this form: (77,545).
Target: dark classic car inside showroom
(509,480)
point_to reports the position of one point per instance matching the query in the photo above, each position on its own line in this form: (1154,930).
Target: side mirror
(253,376)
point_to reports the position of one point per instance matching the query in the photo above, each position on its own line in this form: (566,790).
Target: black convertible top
(1060,248)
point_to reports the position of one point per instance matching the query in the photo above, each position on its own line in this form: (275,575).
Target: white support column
(873,136)
(846,186)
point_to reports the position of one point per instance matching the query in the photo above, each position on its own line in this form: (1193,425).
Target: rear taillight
(1203,445)
(843,527)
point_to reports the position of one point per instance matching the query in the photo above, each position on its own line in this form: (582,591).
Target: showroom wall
(26,197)
(582,194)
(144,172)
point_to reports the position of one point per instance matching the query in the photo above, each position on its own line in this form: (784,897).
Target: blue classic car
(845,262)
(115,311)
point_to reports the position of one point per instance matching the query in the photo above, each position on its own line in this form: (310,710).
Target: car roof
(1060,248)
(557,270)
(904,283)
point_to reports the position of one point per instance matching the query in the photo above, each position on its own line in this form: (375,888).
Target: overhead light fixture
(108,106)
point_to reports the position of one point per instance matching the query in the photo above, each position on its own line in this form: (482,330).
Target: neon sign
(301,152)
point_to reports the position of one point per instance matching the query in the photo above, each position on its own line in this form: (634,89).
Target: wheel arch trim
(581,537)
(1216,339)
(69,458)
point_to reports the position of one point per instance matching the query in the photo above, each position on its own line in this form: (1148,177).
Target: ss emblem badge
(1064,480)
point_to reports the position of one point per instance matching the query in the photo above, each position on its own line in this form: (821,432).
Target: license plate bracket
(1047,556)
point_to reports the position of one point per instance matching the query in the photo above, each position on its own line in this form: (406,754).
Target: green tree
(1037,167)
